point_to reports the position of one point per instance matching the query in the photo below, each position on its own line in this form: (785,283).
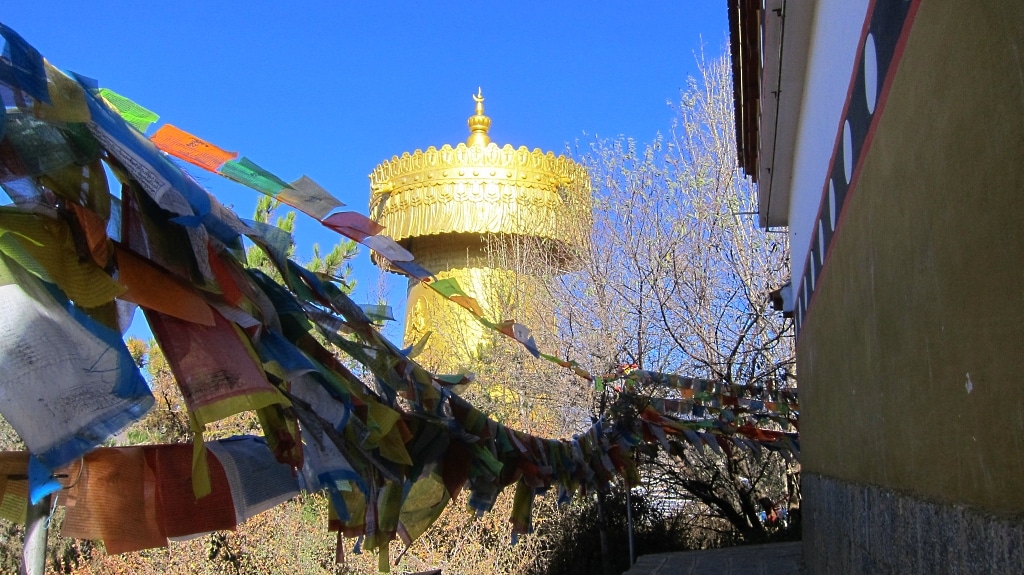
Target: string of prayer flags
(575,367)
(189,148)
(165,183)
(392,446)
(137,116)
(307,196)
(304,194)
(699,405)
(170,187)
(783,400)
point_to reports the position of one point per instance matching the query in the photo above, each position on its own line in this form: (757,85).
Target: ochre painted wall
(911,358)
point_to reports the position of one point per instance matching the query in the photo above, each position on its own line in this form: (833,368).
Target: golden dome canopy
(478,187)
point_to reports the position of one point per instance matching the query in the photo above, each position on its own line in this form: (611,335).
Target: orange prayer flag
(185,146)
(152,287)
(114,499)
(95,230)
(468,303)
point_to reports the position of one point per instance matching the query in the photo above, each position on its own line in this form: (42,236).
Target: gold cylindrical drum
(454,208)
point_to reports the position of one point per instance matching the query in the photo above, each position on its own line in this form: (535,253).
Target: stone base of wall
(863,529)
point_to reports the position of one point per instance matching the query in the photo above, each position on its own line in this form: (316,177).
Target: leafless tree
(676,279)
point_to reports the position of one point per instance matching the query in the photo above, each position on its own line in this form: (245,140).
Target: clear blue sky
(331,88)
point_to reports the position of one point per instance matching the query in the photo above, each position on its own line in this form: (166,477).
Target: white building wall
(836,32)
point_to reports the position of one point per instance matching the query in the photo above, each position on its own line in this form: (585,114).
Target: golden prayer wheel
(454,208)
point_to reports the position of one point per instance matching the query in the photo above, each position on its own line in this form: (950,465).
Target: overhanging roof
(745,44)
(769,40)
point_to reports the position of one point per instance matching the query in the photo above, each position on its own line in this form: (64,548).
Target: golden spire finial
(479,99)
(479,123)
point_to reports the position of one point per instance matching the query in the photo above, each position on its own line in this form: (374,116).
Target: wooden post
(602,522)
(33,553)
(629,521)
(602,531)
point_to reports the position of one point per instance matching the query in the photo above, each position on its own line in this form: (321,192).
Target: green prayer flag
(246,172)
(378,312)
(484,457)
(452,379)
(522,508)
(134,114)
(426,500)
(448,287)
(389,506)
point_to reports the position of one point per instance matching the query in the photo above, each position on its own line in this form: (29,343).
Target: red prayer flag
(353,225)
